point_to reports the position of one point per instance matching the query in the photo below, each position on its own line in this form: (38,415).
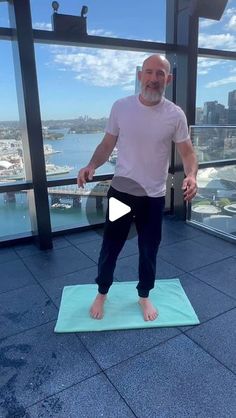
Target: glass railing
(14,214)
(72,206)
(214,142)
(214,206)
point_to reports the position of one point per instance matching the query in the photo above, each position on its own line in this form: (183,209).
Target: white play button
(117,209)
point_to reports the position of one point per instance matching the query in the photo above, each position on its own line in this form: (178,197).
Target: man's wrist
(194,175)
(92,165)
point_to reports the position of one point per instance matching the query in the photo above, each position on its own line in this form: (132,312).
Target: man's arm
(103,151)
(100,156)
(189,159)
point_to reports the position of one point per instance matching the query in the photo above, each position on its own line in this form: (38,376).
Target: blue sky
(86,81)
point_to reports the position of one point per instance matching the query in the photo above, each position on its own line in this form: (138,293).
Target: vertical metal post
(30,119)
(182,29)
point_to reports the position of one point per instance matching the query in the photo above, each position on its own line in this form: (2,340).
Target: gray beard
(152,96)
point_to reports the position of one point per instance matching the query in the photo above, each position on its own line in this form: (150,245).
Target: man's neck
(147,103)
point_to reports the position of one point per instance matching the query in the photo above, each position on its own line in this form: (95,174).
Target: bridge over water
(76,194)
(72,192)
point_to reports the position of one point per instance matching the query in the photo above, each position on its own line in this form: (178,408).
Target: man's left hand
(189,187)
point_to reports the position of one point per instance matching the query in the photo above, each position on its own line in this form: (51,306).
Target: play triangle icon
(117,209)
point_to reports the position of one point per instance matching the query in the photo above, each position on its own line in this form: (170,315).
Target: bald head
(157,59)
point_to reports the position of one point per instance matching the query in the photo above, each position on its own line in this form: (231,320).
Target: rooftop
(160,372)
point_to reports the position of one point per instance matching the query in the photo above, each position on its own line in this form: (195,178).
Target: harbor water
(75,151)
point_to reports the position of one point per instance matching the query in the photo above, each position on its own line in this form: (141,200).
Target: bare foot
(149,312)
(96,310)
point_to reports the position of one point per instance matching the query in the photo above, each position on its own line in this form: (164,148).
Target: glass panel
(214,143)
(71,206)
(123,19)
(11,151)
(219,34)
(215,203)
(76,95)
(8,98)
(216,93)
(14,214)
(4,15)
(65,156)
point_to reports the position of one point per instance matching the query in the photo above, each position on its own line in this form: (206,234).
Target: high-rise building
(199,116)
(214,113)
(232,107)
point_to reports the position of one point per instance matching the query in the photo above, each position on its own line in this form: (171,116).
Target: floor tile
(37,364)
(220,245)
(189,255)
(83,236)
(14,275)
(127,269)
(159,372)
(25,250)
(95,397)
(53,263)
(185,230)
(92,249)
(24,308)
(206,301)
(218,338)
(176,380)
(54,287)
(167,270)
(7,254)
(221,275)
(127,343)
(170,237)
(60,242)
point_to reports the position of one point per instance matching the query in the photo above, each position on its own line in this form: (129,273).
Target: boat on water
(113,157)
(48,150)
(61,206)
(55,170)
(8,147)
(14,172)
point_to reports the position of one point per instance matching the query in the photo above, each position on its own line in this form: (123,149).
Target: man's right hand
(85,174)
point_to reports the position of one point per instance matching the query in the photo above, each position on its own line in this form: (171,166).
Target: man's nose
(155,77)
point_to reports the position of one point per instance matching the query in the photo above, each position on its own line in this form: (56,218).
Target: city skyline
(214,112)
(79,81)
(199,109)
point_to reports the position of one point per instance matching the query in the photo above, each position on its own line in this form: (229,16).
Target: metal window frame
(182,43)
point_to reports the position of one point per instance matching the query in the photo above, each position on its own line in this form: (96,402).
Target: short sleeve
(181,131)
(112,126)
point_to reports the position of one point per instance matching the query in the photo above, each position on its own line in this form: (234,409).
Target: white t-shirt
(144,141)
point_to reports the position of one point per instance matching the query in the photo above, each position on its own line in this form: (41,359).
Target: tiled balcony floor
(160,372)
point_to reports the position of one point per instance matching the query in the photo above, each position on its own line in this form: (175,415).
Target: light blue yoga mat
(121,310)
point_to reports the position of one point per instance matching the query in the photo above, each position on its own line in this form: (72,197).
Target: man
(143,127)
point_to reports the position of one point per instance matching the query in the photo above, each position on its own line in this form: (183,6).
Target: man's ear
(169,79)
(139,75)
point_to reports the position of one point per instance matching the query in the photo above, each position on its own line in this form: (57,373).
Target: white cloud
(221,41)
(205,23)
(202,72)
(230,11)
(205,65)
(42,25)
(129,88)
(222,82)
(104,68)
(232,23)
(100,32)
